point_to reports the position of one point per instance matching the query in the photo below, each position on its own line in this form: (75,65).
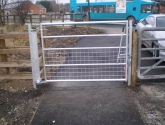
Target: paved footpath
(88,103)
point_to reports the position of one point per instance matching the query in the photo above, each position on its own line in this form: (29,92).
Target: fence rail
(40,18)
(6,52)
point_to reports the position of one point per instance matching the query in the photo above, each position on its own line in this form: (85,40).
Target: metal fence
(150,65)
(106,63)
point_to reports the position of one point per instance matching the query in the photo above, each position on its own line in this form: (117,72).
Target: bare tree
(21,9)
(54,6)
(3,4)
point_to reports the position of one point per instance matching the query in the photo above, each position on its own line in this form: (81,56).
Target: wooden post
(134,59)
(50,18)
(0,16)
(45,33)
(40,18)
(87,17)
(3,57)
(7,19)
(74,19)
(14,18)
(62,17)
(31,19)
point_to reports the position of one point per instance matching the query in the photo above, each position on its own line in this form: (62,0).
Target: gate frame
(34,48)
(149,68)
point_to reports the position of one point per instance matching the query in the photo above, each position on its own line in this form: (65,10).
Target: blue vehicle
(114,9)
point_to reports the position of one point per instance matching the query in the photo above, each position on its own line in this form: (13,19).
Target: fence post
(134,59)
(87,17)
(50,18)
(7,17)
(3,57)
(62,17)
(14,18)
(74,18)
(34,56)
(40,18)
(31,19)
(0,16)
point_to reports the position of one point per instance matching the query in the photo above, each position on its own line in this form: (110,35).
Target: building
(37,9)
(33,8)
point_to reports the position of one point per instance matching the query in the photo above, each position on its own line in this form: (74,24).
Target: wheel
(133,19)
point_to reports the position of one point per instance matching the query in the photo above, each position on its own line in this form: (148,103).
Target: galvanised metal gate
(150,65)
(107,63)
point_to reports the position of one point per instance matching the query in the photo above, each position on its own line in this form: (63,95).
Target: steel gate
(107,63)
(150,67)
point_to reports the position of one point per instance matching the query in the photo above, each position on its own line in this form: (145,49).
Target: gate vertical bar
(43,51)
(126,66)
(130,53)
(34,56)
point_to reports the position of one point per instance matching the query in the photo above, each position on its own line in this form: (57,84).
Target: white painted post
(130,53)
(34,56)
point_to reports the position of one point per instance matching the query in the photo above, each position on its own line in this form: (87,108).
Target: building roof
(40,6)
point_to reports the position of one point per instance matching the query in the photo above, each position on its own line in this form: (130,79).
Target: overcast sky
(64,1)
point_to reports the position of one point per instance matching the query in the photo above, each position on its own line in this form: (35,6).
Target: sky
(64,1)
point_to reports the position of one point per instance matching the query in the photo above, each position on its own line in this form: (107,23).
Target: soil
(149,98)
(18,100)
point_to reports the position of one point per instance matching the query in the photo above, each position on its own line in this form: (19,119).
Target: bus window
(79,9)
(96,9)
(101,9)
(146,8)
(156,9)
(112,10)
(84,9)
(91,9)
(106,9)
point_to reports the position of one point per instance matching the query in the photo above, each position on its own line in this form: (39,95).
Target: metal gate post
(129,52)
(34,56)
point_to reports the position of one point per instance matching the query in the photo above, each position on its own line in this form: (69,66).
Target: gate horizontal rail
(96,35)
(149,68)
(83,48)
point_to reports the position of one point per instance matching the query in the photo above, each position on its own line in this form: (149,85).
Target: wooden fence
(7,52)
(39,18)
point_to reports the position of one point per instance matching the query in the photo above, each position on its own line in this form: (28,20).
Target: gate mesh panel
(85,63)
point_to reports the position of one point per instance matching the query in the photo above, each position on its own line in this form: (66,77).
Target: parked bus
(114,9)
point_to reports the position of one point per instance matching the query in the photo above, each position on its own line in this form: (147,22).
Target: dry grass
(16,42)
(14,28)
